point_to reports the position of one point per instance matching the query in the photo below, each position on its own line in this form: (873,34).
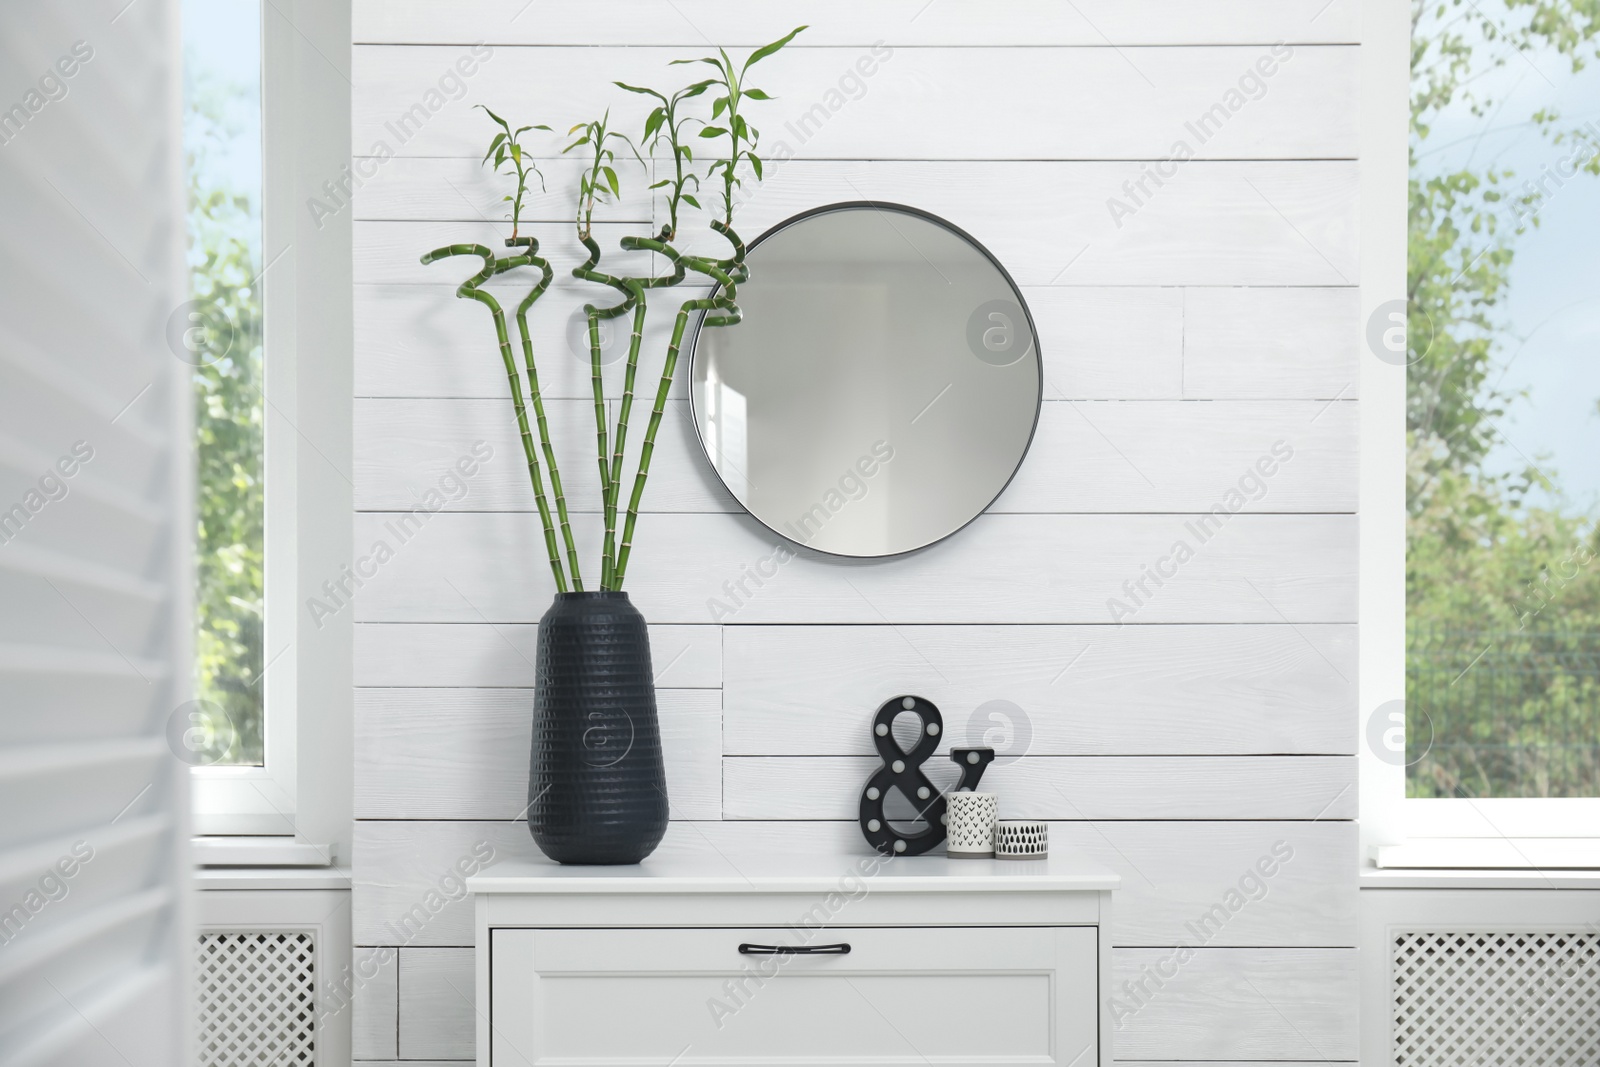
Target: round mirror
(882,388)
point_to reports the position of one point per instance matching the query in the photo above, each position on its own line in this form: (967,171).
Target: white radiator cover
(257,998)
(1505,998)
(273,981)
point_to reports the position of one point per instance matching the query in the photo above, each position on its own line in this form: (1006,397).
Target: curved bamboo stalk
(536,397)
(636,286)
(723,301)
(469,290)
(619,439)
(594,314)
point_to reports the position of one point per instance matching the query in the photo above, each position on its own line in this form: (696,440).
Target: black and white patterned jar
(969,824)
(1018,840)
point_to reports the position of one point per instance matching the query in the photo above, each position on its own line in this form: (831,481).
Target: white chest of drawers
(843,961)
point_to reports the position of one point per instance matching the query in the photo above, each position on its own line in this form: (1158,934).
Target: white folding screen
(95,524)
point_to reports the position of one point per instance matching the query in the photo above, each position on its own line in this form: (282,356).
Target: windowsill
(1532,854)
(288,852)
(1373,878)
(207,824)
(285,878)
(1485,863)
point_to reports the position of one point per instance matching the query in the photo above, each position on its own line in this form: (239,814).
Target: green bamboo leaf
(492,115)
(498,138)
(713,131)
(755,165)
(756,94)
(662,182)
(718,105)
(767,49)
(691,201)
(516,151)
(611,180)
(639,89)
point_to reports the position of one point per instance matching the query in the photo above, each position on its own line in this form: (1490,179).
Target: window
(267,121)
(222,340)
(1502,404)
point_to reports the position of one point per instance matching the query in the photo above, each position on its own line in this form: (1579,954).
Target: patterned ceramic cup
(1015,839)
(969,826)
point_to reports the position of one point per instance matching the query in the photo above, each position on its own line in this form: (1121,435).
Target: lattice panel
(257,999)
(1495,999)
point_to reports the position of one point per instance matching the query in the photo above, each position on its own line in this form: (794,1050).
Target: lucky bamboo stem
(625,407)
(723,301)
(469,290)
(620,438)
(595,314)
(536,398)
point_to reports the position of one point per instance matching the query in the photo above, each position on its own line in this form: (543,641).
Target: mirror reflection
(882,388)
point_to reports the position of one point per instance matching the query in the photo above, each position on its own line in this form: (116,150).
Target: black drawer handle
(841,949)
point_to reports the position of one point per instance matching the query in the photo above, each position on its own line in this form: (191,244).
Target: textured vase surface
(597,789)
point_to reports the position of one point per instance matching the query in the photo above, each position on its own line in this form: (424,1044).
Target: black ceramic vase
(597,789)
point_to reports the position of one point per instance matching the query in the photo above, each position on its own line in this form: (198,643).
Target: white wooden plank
(1109,344)
(1097,344)
(1271,343)
(1215,223)
(686,23)
(1269,1003)
(879,102)
(463,754)
(1063,787)
(403,447)
(437,1016)
(1172,872)
(375,1004)
(467,188)
(422,341)
(1086,457)
(1056,690)
(999,569)
(466,655)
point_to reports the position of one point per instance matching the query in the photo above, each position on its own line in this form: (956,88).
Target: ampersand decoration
(903,771)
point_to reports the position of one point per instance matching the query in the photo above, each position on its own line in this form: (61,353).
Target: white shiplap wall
(1179,346)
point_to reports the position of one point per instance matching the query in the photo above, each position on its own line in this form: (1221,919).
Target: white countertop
(712,872)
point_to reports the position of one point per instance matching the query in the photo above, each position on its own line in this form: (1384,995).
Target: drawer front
(995,996)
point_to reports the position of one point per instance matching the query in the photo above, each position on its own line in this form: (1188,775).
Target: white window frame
(1500,832)
(304,787)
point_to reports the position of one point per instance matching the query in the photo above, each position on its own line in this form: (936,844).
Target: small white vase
(969,826)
